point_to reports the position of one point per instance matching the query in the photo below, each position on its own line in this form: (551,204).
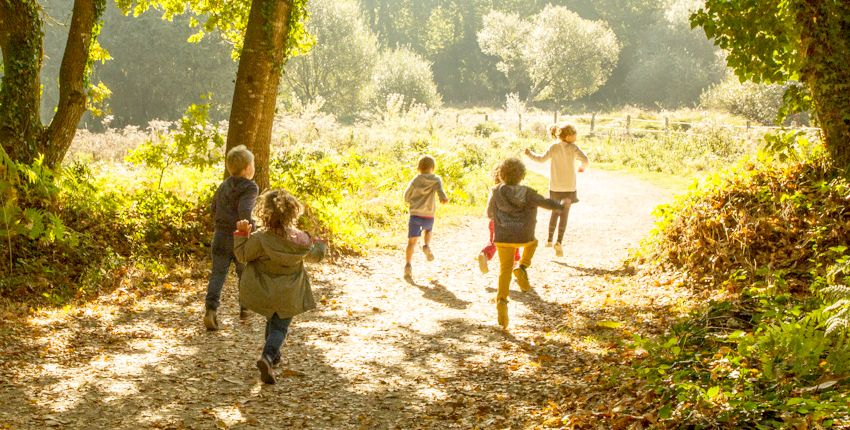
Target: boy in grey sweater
(420,196)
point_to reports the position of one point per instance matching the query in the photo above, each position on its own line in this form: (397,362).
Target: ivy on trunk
(22,134)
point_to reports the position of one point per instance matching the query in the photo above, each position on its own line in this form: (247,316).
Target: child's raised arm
(537,157)
(246,247)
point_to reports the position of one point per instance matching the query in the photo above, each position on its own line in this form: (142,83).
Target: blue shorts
(419,224)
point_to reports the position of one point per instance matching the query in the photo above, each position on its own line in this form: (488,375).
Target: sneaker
(559,250)
(276,361)
(482,263)
(243,313)
(408,272)
(428,254)
(522,278)
(211,320)
(265,367)
(549,244)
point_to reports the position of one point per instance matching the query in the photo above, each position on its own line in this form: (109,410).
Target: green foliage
(403,72)
(196,143)
(705,148)
(556,55)
(486,128)
(767,240)
(339,66)
(757,102)
(797,40)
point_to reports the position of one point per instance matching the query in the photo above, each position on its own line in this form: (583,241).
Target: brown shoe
(265,367)
(211,320)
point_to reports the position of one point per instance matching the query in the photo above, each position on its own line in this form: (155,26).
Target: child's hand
(443,201)
(244,226)
(580,169)
(528,151)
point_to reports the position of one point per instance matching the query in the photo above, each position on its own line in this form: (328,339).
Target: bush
(402,71)
(766,244)
(486,128)
(756,102)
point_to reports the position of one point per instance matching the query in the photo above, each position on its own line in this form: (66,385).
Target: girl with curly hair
(274,283)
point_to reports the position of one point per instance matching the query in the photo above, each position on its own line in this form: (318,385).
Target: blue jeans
(222,256)
(276,330)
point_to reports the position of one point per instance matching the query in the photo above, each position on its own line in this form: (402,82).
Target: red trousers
(490,250)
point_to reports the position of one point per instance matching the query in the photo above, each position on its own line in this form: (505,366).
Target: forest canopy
(661,62)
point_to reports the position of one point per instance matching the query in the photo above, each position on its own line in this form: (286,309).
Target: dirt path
(379,353)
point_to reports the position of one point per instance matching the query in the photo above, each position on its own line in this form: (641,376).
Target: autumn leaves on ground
(378,353)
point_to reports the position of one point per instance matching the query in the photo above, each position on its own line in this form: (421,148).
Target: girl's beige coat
(274,280)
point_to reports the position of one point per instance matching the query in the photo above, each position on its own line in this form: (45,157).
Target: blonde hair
(278,211)
(426,162)
(238,158)
(562,131)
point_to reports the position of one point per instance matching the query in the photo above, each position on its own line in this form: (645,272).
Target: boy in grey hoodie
(513,209)
(420,196)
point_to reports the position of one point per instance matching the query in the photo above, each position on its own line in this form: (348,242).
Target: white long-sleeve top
(562,169)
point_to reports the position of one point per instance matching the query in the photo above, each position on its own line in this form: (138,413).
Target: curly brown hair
(512,171)
(278,210)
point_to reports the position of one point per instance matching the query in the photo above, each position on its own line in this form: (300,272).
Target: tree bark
(72,81)
(22,134)
(20,90)
(257,80)
(825,37)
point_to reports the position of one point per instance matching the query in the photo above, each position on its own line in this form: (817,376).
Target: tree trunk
(825,34)
(72,80)
(20,90)
(257,80)
(22,134)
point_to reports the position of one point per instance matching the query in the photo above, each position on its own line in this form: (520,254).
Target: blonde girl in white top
(562,179)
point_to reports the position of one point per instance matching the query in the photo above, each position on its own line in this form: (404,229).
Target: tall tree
(22,134)
(775,41)
(556,55)
(339,66)
(264,33)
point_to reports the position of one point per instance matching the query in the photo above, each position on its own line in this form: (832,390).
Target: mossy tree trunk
(825,37)
(22,134)
(257,80)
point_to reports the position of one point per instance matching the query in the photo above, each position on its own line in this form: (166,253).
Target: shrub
(402,71)
(486,128)
(757,102)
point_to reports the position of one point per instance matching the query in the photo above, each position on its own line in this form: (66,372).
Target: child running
(275,283)
(513,208)
(419,195)
(234,199)
(489,250)
(562,177)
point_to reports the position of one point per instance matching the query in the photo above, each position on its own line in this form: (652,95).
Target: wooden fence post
(519,121)
(457,119)
(666,125)
(628,125)
(486,117)
(555,118)
(592,122)
(748,126)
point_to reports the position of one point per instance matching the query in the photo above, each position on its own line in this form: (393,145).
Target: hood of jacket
(282,254)
(426,182)
(511,198)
